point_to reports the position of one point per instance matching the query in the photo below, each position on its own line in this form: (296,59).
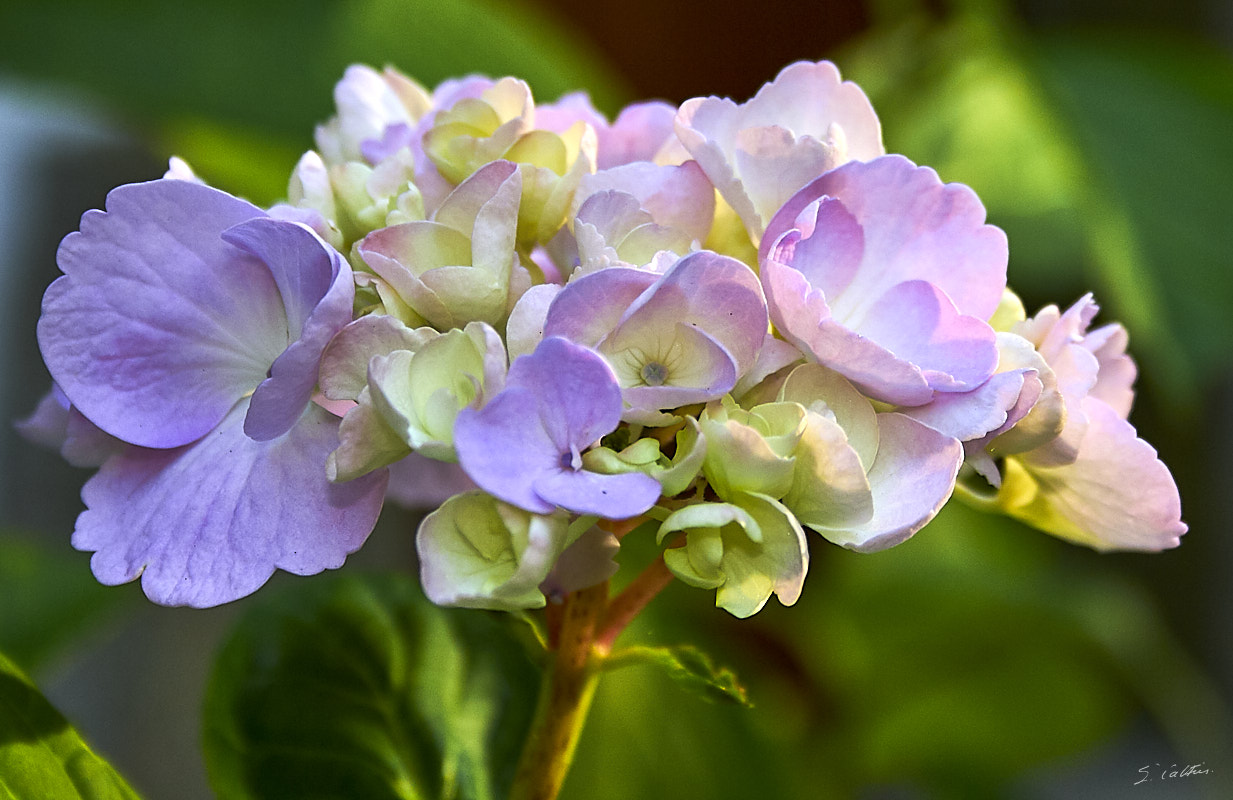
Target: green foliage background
(980,659)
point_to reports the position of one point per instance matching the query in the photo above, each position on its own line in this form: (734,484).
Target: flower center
(654,373)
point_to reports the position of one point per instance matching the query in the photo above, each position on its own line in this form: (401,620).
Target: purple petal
(419,482)
(971,415)
(158,326)
(209,523)
(56,425)
(679,196)
(394,138)
(504,445)
(556,403)
(47,425)
(578,395)
(611,496)
(827,249)
(317,294)
(716,294)
(589,308)
(614,214)
(638,133)
(574,107)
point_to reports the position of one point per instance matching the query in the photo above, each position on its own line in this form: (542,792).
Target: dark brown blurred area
(675,51)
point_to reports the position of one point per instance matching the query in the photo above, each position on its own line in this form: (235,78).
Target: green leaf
(690,666)
(41,756)
(359,687)
(50,599)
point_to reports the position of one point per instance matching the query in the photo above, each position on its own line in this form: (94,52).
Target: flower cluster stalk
(565,698)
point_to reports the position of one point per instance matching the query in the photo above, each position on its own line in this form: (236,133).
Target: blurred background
(980,659)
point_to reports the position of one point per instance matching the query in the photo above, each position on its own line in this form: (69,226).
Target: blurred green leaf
(689,666)
(359,687)
(967,656)
(648,738)
(1154,116)
(50,599)
(262,73)
(41,756)
(952,663)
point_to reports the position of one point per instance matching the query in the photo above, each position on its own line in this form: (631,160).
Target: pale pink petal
(915,228)
(973,414)
(1117,494)
(912,477)
(801,315)
(638,134)
(675,196)
(918,323)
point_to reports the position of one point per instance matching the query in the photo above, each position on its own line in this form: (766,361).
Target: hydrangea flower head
(726,326)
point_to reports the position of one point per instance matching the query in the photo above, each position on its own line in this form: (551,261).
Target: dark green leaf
(41,756)
(692,667)
(358,687)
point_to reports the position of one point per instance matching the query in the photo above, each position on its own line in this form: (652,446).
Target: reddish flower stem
(565,697)
(630,602)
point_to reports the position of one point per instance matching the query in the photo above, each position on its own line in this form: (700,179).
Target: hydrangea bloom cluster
(736,326)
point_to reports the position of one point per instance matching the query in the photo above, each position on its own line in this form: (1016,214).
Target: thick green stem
(564,699)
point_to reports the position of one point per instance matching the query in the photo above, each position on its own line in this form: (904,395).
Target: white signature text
(1170,772)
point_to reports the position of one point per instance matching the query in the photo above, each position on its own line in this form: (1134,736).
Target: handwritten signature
(1171,772)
